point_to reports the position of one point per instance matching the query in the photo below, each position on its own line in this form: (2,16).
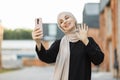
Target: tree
(17,34)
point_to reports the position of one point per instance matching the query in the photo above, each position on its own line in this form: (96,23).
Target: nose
(65,21)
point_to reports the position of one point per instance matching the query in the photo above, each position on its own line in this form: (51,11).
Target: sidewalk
(45,73)
(102,76)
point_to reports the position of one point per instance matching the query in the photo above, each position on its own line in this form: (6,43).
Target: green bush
(17,34)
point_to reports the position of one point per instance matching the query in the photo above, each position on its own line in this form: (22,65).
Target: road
(45,73)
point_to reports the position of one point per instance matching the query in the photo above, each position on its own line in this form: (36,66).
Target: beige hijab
(63,57)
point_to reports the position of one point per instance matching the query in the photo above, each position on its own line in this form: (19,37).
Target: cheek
(72,24)
(61,26)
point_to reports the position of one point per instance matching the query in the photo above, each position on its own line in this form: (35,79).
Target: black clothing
(81,57)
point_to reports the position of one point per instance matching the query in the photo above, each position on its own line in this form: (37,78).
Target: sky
(22,13)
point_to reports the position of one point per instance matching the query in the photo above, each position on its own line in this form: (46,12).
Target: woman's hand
(37,35)
(83,33)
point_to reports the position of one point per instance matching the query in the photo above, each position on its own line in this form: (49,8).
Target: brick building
(91,18)
(110,32)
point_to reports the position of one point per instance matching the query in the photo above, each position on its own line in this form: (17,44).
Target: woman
(73,53)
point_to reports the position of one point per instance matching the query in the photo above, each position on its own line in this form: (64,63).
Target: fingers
(37,33)
(37,28)
(83,27)
(37,36)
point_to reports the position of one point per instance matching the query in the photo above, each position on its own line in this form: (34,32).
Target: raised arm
(37,33)
(94,52)
(48,56)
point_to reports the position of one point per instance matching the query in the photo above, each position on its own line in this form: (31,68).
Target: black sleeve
(94,52)
(49,56)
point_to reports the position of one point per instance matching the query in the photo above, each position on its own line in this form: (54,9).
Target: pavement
(102,76)
(45,73)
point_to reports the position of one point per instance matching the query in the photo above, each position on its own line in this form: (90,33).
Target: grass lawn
(7,70)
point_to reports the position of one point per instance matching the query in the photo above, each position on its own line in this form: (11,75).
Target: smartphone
(38,23)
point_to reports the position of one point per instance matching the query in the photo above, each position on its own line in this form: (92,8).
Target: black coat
(81,57)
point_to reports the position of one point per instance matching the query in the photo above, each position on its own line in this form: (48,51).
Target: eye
(61,21)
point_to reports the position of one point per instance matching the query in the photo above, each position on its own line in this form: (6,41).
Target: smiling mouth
(66,26)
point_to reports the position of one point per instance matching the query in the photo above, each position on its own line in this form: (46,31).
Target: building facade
(110,32)
(91,18)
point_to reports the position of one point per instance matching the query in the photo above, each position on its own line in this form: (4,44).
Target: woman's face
(66,21)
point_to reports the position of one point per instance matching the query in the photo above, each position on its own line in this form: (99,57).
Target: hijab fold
(63,57)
